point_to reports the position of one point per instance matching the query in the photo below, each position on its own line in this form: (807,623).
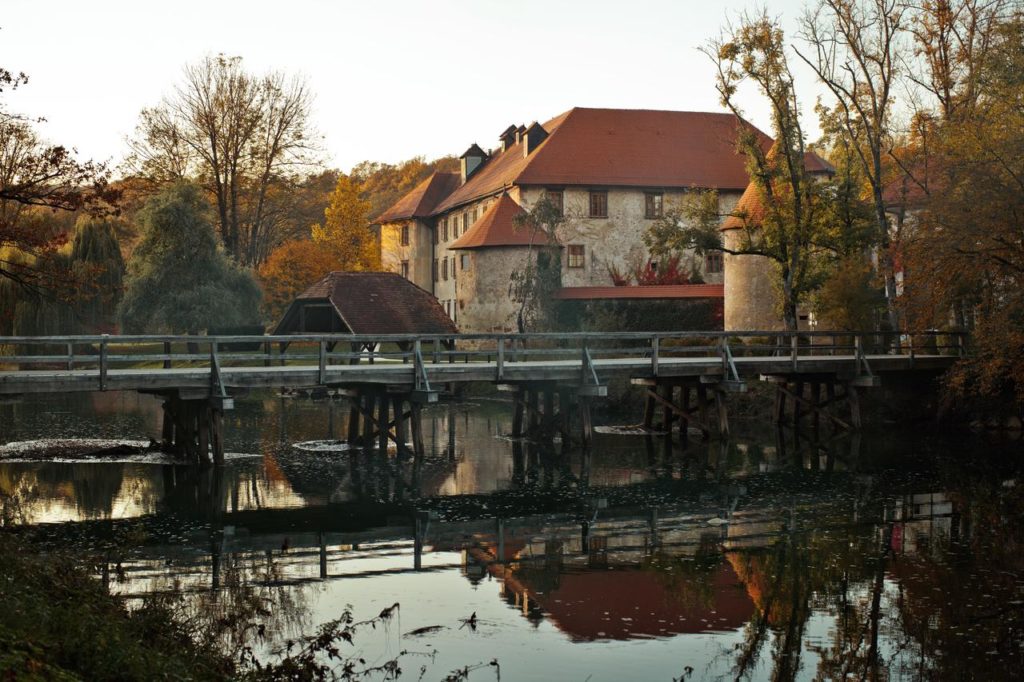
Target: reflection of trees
(250,606)
(805,571)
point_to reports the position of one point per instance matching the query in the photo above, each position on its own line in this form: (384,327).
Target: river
(894,554)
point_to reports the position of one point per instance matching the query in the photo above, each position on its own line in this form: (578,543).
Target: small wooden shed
(365,303)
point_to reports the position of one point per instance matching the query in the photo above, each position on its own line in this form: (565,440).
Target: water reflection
(768,557)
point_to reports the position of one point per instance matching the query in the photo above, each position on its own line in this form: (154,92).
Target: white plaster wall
(615,241)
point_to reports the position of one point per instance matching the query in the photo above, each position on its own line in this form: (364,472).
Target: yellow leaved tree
(346,229)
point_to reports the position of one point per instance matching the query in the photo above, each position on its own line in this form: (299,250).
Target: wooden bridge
(388,378)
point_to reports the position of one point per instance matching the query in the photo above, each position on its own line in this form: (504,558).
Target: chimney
(532,138)
(508,138)
(472,159)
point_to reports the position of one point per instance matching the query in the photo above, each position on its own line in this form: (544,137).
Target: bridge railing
(103,353)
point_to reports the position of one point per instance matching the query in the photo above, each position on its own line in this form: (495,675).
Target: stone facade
(751,295)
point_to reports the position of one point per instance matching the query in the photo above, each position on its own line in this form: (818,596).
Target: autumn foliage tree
(343,241)
(346,228)
(290,270)
(35,174)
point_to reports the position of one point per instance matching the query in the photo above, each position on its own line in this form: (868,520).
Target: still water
(887,556)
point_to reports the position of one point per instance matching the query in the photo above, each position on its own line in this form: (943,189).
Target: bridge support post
(193,428)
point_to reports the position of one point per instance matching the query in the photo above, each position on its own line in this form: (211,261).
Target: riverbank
(59,623)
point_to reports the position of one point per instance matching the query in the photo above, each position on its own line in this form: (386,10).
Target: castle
(612,172)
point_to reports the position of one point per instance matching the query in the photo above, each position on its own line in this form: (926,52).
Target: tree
(965,249)
(857,54)
(787,226)
(346,229)
(534,286)
(96,258)
(36,174)
(290,270)
(179,278)
(246,138)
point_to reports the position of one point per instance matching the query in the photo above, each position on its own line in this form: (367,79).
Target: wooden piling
(398,404)
(217,435)
(382,422)
(517,415)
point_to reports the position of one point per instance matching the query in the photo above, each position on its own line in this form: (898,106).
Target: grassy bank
(59,623)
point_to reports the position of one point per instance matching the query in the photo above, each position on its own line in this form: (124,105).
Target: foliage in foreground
(58,623)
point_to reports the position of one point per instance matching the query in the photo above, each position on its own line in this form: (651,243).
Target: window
(652,205)
(473,219)
(405,269)
(405,235)
(465,261)
(437,233)
(598,204)
(453,268)
(713,262)
(465,218)
(444,230)
(435,270)
(555,197)
(576,256)
(444,269)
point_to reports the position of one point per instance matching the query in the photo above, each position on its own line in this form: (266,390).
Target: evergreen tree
(179,278)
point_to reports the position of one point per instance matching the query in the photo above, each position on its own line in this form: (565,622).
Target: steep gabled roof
(640,148)
(497,228)
(498,172)
(374,303)
(421,201)
(618,148)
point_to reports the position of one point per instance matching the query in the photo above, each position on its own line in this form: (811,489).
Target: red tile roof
(497,228)
(421,201)
(374,303)
(661,291)
(500,171)
(749,209)
(640,148)
(618,148)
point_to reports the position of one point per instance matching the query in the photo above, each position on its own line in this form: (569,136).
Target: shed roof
(374,303)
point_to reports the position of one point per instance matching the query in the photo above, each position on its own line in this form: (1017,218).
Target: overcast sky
(392,80)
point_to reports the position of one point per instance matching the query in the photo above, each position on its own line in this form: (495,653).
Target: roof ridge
(544,143)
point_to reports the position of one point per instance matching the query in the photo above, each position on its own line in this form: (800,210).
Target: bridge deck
(399,374)
(197,363)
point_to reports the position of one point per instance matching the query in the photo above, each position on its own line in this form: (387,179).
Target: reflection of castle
(614,587)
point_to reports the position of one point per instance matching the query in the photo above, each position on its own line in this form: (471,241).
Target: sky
(392,79)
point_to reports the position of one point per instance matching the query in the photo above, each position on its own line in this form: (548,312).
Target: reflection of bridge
(663,563)
(688,374)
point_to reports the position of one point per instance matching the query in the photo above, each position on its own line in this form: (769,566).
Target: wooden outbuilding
(365,303)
